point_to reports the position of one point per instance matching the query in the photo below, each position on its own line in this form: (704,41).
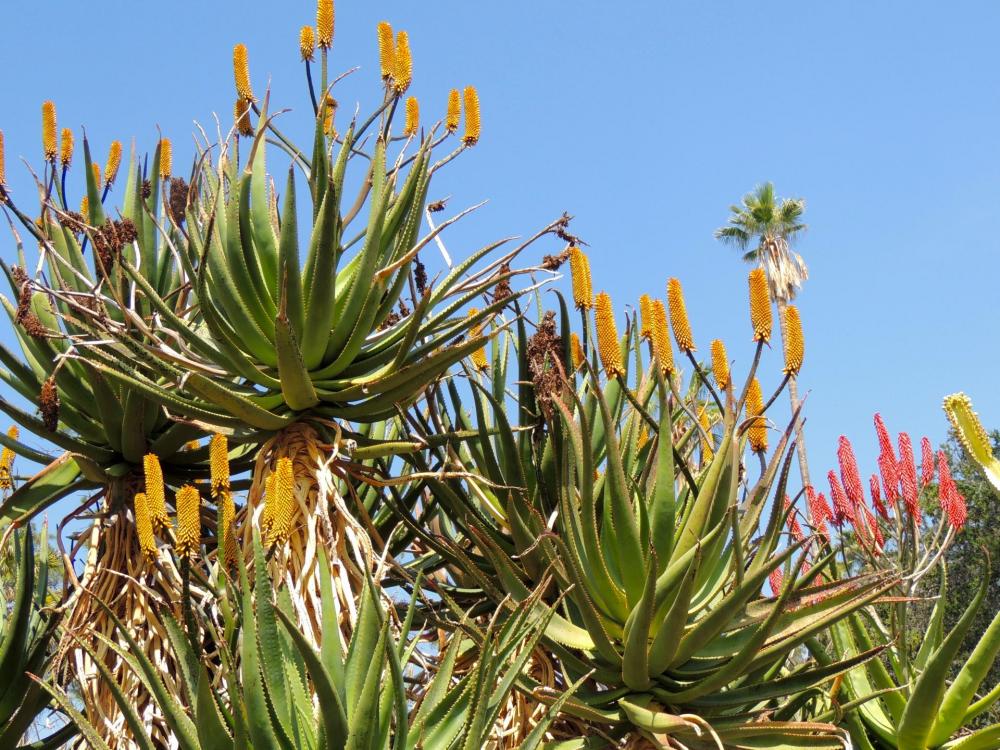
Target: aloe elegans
(913,699)
(653,531)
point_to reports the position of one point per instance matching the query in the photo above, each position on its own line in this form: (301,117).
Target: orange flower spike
(472,122)
(454,112)
(113,163)
(402,74)
(155,494)
(795,342)
(579,266)
(720,364)
(662,350)
(577,351)
(241,115)
(188,520)
(49,130)
(608,345)
(478,356)
(7,460)
(757,431)
(760,306)
(144,526)
(646,317)
(307,43)
(386,50)
(241,73)
(166,158)
(324,23)
(66,147)
(412,117)
(678,316)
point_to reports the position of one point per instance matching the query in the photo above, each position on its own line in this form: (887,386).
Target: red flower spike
(889,469)
(884,442)
(908,476)
(849,472)
(877,496)
(952,502)
(793,521)
(926,462)
(776,579)
(842,509)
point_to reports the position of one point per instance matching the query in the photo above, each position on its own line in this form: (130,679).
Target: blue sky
(644,120)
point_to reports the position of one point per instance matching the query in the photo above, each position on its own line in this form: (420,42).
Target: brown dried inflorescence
(73,221)
(25,316)
(48,404)
(419,275)
(545,361)
(178,200)
(110,238)
(502,290)
(555,262)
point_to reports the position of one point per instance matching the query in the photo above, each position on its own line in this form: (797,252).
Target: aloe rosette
(650,527)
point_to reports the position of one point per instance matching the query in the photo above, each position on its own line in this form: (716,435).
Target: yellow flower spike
(66,147)
(478,356)
(579,268)
(218,462)
(7,460)
(155,494)
(402,74)
(192,445)
(283,501)
(472,124)
(760,305)
(577,351)
(114,162)
(329,110)
(227,530)
(241,116)
(96,169)
(706,426)
(386,50)
(267,515)
(166,157)
(49,130)
(188,520)
(643,438)
(307,43)
(660,340)
(454,112)
(795,342)
(972,434)
(241,73)
(144,526)
(757,431)
(324,23)
(412,117)
(85,207)
(608,345)
(678,316)
(720,364)
(646,317)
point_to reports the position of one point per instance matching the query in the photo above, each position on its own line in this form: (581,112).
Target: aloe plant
(916,697)
(27,630)
(651,528)
(281,691)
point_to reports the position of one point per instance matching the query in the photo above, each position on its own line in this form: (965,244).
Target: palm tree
(763,228)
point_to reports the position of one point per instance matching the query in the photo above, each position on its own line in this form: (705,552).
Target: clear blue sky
(645,120)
